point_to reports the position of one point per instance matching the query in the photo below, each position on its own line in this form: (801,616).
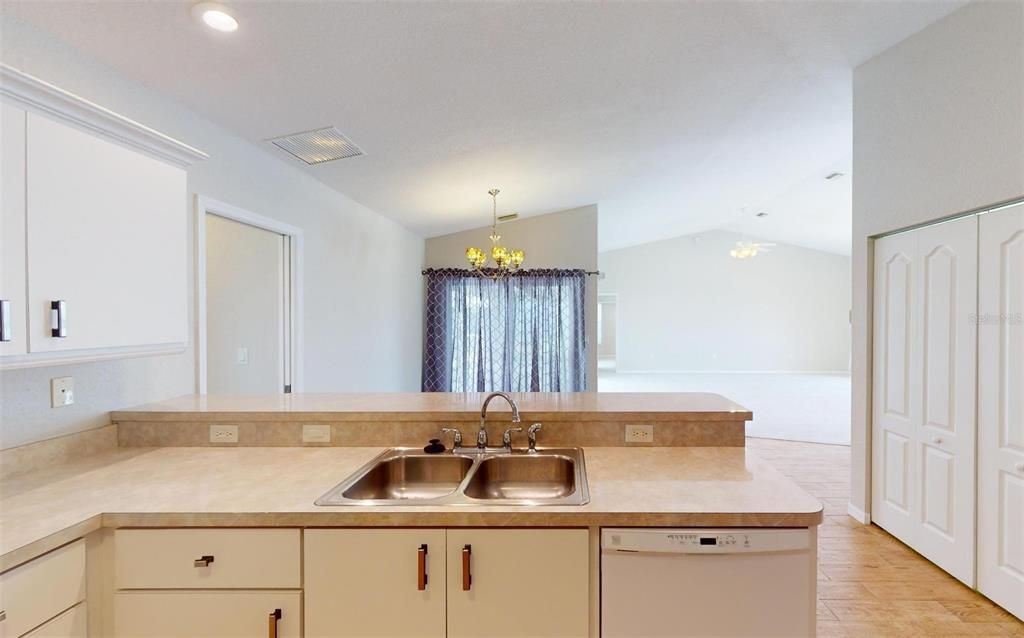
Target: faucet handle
(531,435)
(456,436)
(506,438)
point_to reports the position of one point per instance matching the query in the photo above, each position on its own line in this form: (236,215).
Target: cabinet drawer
(241,558)
(70,624)
(224,614)
(39,590)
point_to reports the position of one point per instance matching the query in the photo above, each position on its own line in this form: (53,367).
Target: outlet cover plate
(639,434)
(316,433)
(62,391)
(223,434)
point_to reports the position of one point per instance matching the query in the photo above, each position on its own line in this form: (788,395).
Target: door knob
(937,440)
(1020,467)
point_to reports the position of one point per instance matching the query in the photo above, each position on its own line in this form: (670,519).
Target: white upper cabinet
(12,230)
(95,222)
(107,235)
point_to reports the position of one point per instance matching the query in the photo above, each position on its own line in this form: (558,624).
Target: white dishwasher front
(708,582)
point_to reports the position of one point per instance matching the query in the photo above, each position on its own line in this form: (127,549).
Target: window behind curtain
(522,333)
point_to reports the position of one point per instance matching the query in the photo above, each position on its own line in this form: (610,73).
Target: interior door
(945,435)
(518,582)
(895,379)
(1001,408)
(361,583)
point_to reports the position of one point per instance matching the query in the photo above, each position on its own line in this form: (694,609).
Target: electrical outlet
(316,433)
(62,391)
(223,434)
(639,434)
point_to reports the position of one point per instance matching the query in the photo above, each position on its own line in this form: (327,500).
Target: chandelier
(505,260)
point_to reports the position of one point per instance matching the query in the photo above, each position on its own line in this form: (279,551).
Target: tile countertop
(266,487)
(675,406)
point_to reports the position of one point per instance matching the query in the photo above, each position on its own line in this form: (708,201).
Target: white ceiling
(673,117)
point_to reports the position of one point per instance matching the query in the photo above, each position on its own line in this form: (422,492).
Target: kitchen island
(165,491)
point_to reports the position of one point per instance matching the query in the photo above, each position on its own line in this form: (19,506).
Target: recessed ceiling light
(215,16)
(831,176)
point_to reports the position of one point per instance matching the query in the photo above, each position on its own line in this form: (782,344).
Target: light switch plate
(316,433)
(223,434)
(242,356)
(639,434)
(62,391)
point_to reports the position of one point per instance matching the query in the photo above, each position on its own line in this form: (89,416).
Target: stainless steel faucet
(481,436)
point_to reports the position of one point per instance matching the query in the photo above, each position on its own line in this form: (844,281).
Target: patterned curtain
(522,333)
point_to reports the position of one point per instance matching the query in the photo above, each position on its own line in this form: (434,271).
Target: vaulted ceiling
(672,117)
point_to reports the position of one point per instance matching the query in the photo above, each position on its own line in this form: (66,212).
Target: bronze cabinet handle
(203,561)
(272,623)
(467,574)
(421,567)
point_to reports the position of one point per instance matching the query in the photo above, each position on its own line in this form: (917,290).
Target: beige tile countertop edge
(655,406)
(276,487)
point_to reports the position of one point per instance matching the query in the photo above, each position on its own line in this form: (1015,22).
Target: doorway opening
(607,330)
(248,300)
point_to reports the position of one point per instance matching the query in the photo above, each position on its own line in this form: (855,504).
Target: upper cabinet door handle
(59,318)
(421,567)
(5,320)
(467,574)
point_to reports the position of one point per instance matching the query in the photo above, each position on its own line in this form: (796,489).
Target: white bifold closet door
(923,437)
(1001,408)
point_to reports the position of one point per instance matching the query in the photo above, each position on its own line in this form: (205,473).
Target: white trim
(206,205)
(40,96)
(828,372)
(858,514)
(67,357)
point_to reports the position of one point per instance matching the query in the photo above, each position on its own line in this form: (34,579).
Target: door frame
(294,258)
(613,298)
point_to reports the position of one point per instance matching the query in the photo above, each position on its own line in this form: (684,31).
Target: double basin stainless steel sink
(407,476)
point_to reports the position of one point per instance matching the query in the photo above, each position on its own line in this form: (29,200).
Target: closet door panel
(894,376)
(1001,408)
(945,436)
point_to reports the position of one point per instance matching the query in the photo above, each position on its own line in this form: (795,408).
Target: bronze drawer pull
(421,567)
(202,561)
(272,623)
(467,575)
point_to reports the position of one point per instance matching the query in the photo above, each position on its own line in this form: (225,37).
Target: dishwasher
(707,582)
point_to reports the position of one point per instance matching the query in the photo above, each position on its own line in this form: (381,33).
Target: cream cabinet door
(1001,409)
(518,582)
(70,624)
(923,434)
(107,234)
(375,582)
(216,614)
(12,230)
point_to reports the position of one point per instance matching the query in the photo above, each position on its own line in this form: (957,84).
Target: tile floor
(869,583)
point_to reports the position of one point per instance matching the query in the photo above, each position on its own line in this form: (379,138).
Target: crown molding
(38,95)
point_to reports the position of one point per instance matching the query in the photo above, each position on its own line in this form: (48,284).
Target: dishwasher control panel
(704,541)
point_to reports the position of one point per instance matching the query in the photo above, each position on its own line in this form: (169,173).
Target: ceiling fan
(748,249)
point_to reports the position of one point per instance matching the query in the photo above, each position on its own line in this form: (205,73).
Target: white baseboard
(858,514)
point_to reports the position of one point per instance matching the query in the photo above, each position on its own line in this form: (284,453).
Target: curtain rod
(588,272)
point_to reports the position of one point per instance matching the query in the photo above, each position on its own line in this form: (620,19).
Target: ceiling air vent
(317,147)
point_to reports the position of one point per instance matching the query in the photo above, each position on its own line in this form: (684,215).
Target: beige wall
(685,304)
(567,239)
(363,290)
(938,129)
(244,308)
